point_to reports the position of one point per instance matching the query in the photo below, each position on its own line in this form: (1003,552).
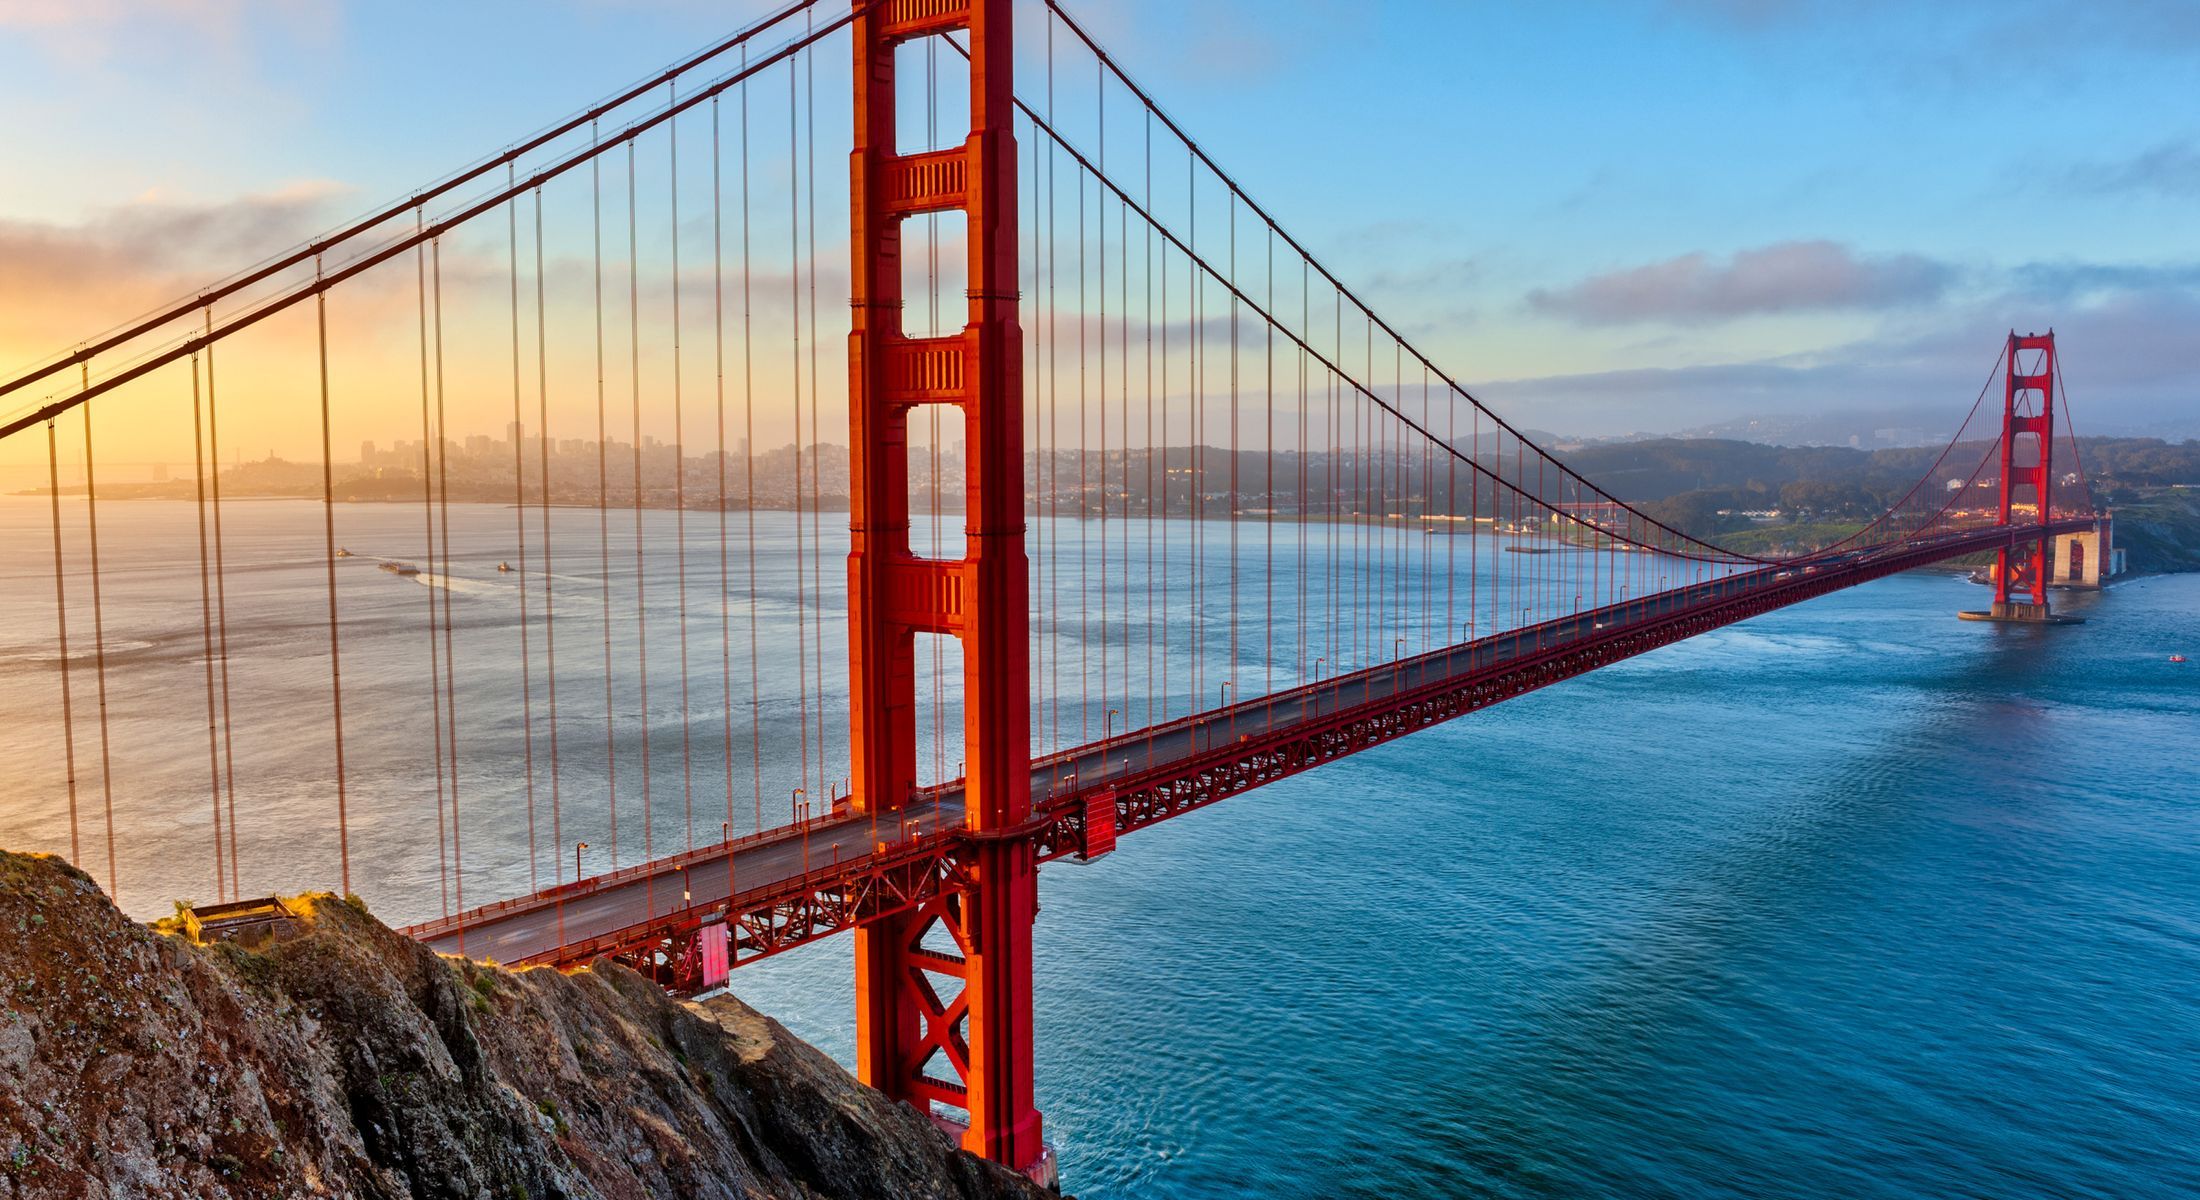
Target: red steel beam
(904,877)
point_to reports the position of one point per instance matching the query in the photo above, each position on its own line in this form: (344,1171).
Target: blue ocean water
(1852,900)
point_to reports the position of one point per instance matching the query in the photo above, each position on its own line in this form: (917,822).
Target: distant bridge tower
(943,992)
(2022,568)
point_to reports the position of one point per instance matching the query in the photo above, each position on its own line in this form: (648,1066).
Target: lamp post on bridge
(577,848)
(798,803)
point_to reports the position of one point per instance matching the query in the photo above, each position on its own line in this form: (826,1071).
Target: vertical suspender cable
(1268,485)
(1358,562)
(1474,520)
(748,463)
(679,484)
(221,609)
(1101,463)
(725,567)
(443,584)
(1123,421)
(1051,642)
(1428,463)
(1299,508)
(1034,477)
(1100,221)
(1147,272)
(549,601)
(1233,435)
(794,309)
(99,646)
(641,563)
(61,617)
(817,547)
(603,512)
(206,633)
(1195,295)
(427,517)
(1084,553)
(1159,273)
(1333,449)
(328,554)
(1052,441)
(519,523)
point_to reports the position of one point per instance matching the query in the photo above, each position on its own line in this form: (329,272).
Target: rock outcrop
(348,1061)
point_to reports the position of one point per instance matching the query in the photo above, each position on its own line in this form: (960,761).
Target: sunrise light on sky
(1609,217)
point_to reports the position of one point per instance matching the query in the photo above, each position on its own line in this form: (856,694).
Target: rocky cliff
(343,1060)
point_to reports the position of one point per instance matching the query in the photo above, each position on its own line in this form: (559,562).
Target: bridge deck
(798,882)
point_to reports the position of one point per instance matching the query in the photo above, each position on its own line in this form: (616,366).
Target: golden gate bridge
(1141,501)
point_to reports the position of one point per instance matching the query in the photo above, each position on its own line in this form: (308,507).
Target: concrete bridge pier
(2022,612)
(2076,561)
(2080,561)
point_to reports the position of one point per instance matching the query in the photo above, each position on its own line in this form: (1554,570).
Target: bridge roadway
(600,911)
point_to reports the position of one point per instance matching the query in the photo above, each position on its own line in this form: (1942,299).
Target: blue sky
(1629,215)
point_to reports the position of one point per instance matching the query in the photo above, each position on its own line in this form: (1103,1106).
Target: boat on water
(341,552)
(504,568)
(400,568)
(1527,549)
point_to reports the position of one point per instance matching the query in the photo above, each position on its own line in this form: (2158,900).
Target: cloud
(2169,169)
(2062,282)
(81,33)
(2163,26)
(61,281)
(2124,353)
(1786,277)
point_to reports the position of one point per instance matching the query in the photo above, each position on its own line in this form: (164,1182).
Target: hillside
(348,1061)
(2159,529)
(1824,493)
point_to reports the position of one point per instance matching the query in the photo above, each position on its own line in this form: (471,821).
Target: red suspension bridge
(1145,508)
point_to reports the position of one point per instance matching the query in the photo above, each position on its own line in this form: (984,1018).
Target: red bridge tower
(2027,477)
(937,1024)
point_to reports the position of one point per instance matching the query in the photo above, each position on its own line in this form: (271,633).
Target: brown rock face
(348,1061)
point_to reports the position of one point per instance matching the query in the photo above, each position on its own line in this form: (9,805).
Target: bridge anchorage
(1221,524)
